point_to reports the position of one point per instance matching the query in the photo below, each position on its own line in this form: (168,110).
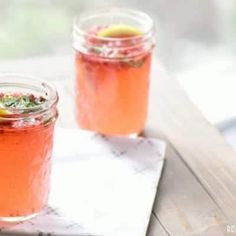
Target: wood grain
(182,204)
(155,227)
(200,146)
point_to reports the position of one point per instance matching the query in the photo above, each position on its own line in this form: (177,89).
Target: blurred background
(196,41)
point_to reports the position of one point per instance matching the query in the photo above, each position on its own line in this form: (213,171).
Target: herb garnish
(20,101)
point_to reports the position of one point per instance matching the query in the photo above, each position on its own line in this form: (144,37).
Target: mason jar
(26,142)
(113,52)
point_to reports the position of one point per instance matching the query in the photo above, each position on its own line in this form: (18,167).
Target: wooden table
(197,192)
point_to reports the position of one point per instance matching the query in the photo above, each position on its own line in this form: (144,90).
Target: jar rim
(129,12)
(26,81)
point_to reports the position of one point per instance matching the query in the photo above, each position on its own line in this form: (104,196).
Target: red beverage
(112,65)
(27,118)
(112,97)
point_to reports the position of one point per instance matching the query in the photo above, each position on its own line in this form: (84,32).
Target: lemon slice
(4,111)
(119,30)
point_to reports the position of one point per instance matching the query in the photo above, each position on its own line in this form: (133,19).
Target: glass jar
(26,142)
(112,71)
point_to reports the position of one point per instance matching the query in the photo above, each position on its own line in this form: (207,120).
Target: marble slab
(101,186)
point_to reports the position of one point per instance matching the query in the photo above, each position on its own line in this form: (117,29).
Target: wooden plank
(155,228)
(199,144)
(182,204)
(49,67)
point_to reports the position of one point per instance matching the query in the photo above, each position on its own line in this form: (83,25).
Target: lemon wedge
(119,30)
